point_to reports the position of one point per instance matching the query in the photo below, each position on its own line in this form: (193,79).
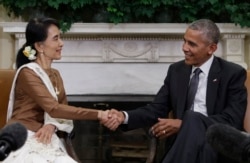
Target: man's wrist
(125,117)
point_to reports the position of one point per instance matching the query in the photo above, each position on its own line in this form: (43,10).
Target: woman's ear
(39,47)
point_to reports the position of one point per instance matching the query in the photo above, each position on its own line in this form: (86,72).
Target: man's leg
(190,145)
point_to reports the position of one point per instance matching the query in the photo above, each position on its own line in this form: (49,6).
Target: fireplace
(94,143)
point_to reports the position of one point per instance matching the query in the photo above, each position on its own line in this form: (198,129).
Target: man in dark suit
(221,97)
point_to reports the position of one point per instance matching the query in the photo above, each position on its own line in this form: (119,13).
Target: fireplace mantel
(103,58)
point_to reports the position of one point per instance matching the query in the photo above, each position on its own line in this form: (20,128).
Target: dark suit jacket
(226,98)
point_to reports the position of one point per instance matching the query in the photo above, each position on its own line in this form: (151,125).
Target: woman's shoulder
(26,71)
(26,74)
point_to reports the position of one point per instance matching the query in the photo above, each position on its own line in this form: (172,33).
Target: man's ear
(39,47)
(212,49)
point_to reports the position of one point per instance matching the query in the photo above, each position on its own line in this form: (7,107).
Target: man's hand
(45,133)
(115,118)
(166,127)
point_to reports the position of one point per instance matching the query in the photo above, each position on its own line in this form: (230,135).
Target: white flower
(29,52)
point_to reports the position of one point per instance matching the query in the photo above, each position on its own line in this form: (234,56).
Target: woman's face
(52,46)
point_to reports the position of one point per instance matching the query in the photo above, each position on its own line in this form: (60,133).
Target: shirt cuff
(126,117)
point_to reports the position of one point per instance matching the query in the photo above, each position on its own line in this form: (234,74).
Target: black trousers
(190,145)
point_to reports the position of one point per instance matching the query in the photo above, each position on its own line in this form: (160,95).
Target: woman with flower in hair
(38,99)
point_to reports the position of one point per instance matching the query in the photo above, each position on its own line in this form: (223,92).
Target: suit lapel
(184,77)
(214,78)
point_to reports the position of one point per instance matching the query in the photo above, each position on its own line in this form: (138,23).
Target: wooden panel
(6,78)
(247,118)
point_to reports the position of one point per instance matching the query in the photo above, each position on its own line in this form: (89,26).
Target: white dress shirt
(200,96)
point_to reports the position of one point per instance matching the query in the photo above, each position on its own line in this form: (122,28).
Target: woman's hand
(111,118)
(45,133)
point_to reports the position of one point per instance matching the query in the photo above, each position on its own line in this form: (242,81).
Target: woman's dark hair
(36,31)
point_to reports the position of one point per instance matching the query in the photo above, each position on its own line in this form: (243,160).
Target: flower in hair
(29,52)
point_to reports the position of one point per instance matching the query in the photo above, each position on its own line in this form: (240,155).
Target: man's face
(197,48)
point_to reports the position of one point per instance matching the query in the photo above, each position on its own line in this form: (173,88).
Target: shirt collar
(205,67)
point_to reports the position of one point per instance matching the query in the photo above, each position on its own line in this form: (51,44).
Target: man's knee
(196,120)
(189,114)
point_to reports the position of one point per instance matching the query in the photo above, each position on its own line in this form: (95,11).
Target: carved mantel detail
(234,47)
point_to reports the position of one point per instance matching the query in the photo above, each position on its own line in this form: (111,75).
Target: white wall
(6,43)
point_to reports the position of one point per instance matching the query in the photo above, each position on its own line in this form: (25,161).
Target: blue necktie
(193,85)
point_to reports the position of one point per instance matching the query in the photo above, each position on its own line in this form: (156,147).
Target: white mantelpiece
(127,58)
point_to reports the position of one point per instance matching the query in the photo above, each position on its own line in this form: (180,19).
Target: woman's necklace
(54,80)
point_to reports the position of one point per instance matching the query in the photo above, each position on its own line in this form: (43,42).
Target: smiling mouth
(188,55)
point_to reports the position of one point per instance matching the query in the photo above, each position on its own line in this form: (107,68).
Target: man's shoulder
(228,65)
(179,64)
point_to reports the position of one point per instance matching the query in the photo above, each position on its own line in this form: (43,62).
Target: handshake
(111,118)
(165,127)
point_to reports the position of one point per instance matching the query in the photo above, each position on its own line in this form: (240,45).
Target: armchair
(154,142)
(6,78)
